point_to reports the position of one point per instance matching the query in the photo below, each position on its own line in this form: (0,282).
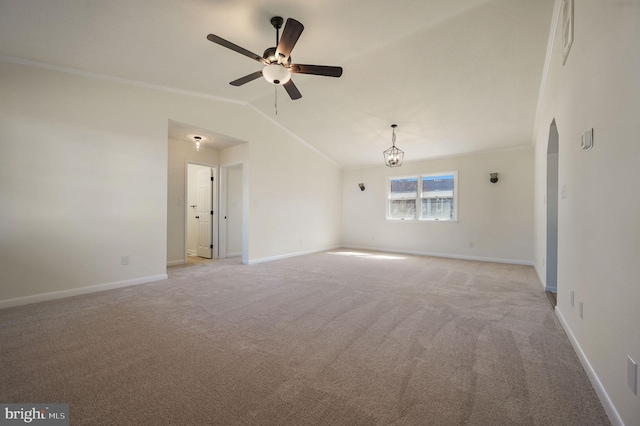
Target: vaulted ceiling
(457,76)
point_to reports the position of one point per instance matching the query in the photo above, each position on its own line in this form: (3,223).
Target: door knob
(197,217)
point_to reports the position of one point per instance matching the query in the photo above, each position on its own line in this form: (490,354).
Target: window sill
(421,220)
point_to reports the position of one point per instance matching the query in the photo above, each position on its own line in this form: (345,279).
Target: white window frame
(420,196)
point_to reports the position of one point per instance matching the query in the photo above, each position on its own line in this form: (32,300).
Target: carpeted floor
(337,338)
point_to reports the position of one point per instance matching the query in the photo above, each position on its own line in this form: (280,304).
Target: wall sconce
(494,177)
(361,185)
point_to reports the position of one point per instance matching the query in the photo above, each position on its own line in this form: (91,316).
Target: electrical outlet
(563,191)
(124,260)
(632,375)
(581,310)
(572,299)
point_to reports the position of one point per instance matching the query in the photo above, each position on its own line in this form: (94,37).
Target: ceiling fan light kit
(278,68)
(276,74)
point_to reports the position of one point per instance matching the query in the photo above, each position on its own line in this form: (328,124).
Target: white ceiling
(457,76)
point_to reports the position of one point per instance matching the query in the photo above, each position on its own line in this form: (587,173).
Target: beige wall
(234,207)
(84,181)
(496,218)
(599,220)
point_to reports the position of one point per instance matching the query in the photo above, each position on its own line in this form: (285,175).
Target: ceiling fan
(277,60)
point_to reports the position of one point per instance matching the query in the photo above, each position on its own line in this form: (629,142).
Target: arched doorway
(552,209)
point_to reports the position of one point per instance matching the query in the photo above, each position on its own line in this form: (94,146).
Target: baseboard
(234,254)
(176,262)
(551,289)
(609,408)
(284,256)
(542,277)
(450,256)
(26,300)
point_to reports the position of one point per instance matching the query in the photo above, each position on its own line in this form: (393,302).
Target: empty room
(319,213)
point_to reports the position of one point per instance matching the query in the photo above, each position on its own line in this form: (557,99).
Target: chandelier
(393,156)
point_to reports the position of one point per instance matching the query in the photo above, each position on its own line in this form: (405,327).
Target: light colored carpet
(335,338)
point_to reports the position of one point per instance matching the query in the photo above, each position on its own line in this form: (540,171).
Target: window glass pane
(437,186)
(402,209)
(402,188)
(437,208)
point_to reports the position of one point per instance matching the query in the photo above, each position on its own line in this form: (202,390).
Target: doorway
(201,212)
(552,209)
(232,228)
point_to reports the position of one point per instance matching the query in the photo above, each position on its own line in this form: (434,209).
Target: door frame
(214,205)
(222,194)
(552,207)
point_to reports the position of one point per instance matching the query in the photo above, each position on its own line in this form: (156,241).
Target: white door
(205,212)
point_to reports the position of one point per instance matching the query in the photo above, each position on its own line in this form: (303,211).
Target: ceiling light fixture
(393,156)
(198,139)
(276,74)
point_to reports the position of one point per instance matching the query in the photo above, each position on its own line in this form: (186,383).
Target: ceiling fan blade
(225,43)
(323,70)
(290,36)
(292,90)
(246,78)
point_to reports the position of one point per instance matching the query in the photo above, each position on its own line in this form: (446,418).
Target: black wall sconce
(361,185)
(494,177)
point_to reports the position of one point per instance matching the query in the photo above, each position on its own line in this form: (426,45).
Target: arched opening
(552,209)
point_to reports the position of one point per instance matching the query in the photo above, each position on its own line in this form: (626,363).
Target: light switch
(586,141)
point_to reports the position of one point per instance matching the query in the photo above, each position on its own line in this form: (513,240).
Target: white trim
(224,209)
(19,61)
(26,300)
(293,135)
(551,289)
(450,256)
(284,256)
(214,207)
(420,196)
(117,79)
(609,408)
(176,262)
(542,281)
(547,66)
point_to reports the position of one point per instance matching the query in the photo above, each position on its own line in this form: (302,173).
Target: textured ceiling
(457,76)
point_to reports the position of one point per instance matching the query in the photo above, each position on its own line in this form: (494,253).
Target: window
(423,197)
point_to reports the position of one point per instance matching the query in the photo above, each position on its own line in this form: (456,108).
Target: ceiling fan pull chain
(276,104)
